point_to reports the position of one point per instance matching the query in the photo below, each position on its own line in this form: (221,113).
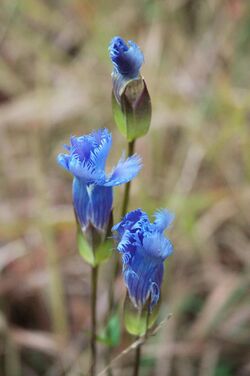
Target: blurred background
(55,82)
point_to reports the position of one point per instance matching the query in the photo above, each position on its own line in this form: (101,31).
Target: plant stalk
(138,350)
(137,359)
(94,277)
(131,147)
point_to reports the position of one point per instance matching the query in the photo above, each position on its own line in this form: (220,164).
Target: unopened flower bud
(130,100)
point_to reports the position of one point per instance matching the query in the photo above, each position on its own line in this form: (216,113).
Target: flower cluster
(142,244)
(144,248)
(92,187)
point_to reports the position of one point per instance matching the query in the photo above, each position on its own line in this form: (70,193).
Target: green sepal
(103,249)
(111,335)
(84,249)
(136,321)
(119,117)
(133,114)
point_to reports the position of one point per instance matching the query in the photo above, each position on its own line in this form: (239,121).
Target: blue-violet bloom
(127,60)
(143,247)
(92,187)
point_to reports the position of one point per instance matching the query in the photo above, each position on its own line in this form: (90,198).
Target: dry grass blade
(39,341)
(230,290)
(45,107)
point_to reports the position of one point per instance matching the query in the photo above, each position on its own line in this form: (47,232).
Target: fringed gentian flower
(127,60)
(143,247)
(131,102)
(92,188)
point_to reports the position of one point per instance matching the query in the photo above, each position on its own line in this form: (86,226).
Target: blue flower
(92,187)
(127,60)
(143,247)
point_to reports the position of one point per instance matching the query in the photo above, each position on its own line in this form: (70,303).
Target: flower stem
(94,277)
(137,360)
(139,347)
(131,146)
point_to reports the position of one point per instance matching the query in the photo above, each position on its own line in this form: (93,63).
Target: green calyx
(133,114)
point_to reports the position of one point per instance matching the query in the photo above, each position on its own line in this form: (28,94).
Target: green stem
(138,350)
(131,146)
(137,360)
(94,277)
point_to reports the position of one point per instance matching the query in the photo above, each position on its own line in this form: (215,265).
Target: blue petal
(87,156)
(135,219)
(93,148)
(92,204)
(129,221)
(81,147)
(127,246)
(163,219)
(125,171)
(144,248)
(141,278)
(127,59)
(63,160)
(84,170)
(154,294)
(101,200)
(152,284)
(130,232)
(124,242)
(157,246)
(126,257)
(130,277)
(87,160)
(81,202)
(100,153)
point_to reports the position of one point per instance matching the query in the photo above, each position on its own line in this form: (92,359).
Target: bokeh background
(55,82)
